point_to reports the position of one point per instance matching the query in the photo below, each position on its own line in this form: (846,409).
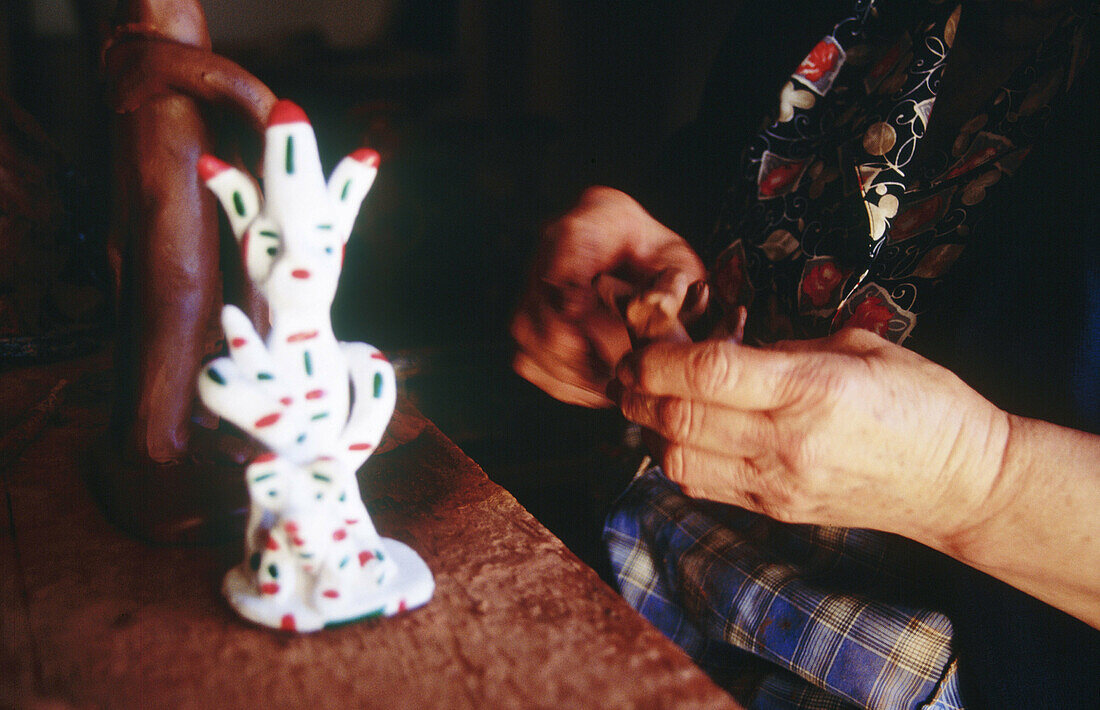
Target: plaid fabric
(787,616)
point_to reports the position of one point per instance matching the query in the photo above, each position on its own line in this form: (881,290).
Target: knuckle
(674,463)
(675,418)
(710,369)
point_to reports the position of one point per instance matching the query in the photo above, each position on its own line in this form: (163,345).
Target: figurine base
(412,586)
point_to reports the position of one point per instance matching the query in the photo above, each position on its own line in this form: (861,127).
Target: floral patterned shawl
(831,223)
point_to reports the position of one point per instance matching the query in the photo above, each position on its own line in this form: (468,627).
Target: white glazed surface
(312,555)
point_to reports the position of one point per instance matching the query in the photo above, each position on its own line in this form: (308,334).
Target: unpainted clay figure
(320,407)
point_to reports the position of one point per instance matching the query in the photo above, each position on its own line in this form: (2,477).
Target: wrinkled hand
(569,339)
(848,430)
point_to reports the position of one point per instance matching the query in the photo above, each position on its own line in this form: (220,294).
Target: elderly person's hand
(847,430)
(569,338)
(853,430)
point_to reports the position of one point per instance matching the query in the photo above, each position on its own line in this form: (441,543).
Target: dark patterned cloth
(838,218)
(833,221)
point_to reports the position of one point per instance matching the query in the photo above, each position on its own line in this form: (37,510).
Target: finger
(719,430)
(235,191)
(563,349)
(721,372)
(655,314)
(529,369)
(245,346)
(294,182)
(255,410)
(614,293)
(732,480)
(349,184)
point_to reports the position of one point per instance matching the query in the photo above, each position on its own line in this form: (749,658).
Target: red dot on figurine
(300,337)
(291,527)
(266,457)
(286,401)
(267,421)
(402,606)
(271,544)
(269,587)
(367,157)
(238,342)
(330,593)
(315,394)
(209,167)
(360,447)
(288,623)
(286,112)
(339,534)
(350,521)
(365,556)
(300,274)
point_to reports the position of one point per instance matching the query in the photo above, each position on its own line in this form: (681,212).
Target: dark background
(491,116)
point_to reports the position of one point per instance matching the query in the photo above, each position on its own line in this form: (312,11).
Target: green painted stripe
(319,415)
(322,477)
(344,562)
(308,362)
(216,376)
(269,233)
(301,437)
(264,376)
(262,477)
(344,191)
(324,226)
(377,385)
(290,155)
(238,203)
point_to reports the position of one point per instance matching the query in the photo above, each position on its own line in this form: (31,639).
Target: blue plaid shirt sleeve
(740,593)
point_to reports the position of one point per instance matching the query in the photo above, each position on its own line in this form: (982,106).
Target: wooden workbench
(92,618)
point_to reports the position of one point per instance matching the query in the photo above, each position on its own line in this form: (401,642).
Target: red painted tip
(367,157)
(288,623)
(360,447)
(269,587)
(300,273)
(271,544)
(303,336)
(210,167)
(264,458)
(364,557)
(402,606)
(286,112)
(350,521)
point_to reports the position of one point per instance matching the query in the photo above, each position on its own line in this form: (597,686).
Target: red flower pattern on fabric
(819,62)
(910,221)
(780,178)
(818,285)
(873,315)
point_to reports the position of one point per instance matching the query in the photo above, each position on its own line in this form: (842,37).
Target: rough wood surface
(92,618)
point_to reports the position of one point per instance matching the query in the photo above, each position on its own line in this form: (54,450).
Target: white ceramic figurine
(312,555)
